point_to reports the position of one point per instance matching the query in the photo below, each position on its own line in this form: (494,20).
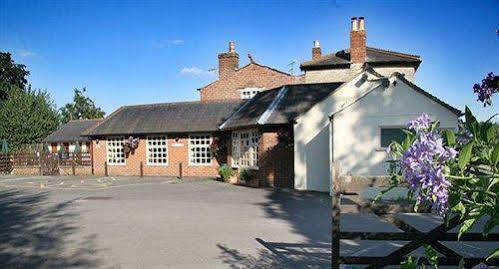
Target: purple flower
(489,86)
(422,122)
(422,165)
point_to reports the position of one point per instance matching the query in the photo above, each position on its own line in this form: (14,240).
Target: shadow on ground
(37,234)
(308,214)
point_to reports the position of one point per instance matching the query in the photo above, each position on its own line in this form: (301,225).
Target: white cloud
(167,43)
(196,71)
(25,53)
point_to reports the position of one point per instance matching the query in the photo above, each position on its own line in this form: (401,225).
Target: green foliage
(409,263)
(225,172)
(245,175)
(11,74)
(82,108)
(27,117)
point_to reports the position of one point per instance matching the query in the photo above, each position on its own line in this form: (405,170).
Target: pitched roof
(427,94)
(259,65)
(165,118)
(374,57)
(280,105)
(72,131)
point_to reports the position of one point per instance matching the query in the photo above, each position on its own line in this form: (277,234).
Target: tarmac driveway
(168,223)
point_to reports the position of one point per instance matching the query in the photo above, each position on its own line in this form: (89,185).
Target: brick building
(276,125)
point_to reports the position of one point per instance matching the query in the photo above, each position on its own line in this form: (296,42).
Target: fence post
(180,170)
(73,166)
(40,163)
(105,169)
(335,216)
(141,169)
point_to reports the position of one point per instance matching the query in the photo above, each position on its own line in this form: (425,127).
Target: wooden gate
(414,238)
(49,164)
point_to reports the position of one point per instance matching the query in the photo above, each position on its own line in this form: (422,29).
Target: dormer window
(248,93)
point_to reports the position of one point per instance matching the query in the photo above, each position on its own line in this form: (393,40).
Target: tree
(27,117)
(11,74)
(82,108)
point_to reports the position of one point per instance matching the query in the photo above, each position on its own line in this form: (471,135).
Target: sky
(150,51)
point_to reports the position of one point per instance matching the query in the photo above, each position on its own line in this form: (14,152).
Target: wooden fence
(415,238)
(48,163)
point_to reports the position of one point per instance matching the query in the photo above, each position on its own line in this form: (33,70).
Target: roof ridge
(86,119)
(396,53)
(163,103)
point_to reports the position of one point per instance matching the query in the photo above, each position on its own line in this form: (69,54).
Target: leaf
(493,182)
(459,207)
(494,157)
(467,224)
(494,254)
(450,138)
(471,122)
(465,155)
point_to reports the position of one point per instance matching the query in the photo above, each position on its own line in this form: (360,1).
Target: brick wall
(177,153)
(275,159)
(252,75)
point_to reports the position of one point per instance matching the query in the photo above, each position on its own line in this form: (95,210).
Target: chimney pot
(317,44)
(361,24)
(354,24)
(232,46)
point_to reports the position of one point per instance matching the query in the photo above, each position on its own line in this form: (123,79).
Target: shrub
(244,175)
(225,172)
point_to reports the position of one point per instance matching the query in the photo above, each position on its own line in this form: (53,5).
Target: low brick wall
(79,170)
(26,170)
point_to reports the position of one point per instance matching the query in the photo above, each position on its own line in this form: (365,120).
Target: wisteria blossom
(422,165)
(489,86)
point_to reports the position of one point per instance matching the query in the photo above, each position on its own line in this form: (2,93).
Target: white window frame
(158,138)
(108,141)
(252,141)
(192,146)
(250,92)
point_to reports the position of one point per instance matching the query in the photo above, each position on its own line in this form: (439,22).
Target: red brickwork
(177,153)
(252,75)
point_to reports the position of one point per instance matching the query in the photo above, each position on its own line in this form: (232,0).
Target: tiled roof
(280,105)
(72,131)
(374,57)
(165,118)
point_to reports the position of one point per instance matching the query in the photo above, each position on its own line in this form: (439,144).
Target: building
(288,131)
(69,135)
(236,83)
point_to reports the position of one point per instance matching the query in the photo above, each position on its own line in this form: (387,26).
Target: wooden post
(40,163)
(141,169)
(73,169)
(335,214)
(105,169)
(180,170)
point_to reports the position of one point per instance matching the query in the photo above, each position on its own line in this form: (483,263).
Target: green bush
(245,175)
(225,172)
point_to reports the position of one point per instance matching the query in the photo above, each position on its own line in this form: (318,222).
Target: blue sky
(133,52)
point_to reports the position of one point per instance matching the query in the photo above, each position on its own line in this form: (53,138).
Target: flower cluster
(130,144)
(423,163)
(489,86)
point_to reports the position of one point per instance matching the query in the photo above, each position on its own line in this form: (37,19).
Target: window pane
(391,134)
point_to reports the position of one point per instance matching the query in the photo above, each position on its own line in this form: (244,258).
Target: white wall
(360,107)
(311,143)
(357,129)
(341,75)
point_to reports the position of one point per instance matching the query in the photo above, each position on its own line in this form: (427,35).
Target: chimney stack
(228,62)
(316,50)
(358,51)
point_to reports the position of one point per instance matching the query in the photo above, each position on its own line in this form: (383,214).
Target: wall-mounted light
(97,141)
(176,139)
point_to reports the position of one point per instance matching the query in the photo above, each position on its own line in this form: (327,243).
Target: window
(391,134)
(157,150)
(248,93)
(245,148)
(199,149)
(115,154)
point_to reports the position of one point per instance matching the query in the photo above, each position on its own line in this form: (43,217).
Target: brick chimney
(358,51)
(228,62)
(316,50)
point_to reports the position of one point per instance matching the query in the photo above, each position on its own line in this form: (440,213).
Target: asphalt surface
(92,222)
